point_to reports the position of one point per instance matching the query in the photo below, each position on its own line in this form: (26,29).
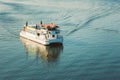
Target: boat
(45,34)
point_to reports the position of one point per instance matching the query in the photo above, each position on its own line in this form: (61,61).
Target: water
(91,40)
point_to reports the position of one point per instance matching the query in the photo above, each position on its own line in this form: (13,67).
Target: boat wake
(89,20)
(94,15)
(108,30)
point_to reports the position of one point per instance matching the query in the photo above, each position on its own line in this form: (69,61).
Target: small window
(38,34)
(53,35)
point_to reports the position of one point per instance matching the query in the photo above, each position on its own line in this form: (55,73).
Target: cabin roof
(50,26)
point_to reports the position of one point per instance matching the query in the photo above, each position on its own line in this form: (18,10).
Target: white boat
(42,33)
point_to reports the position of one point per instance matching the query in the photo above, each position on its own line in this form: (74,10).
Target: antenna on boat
(26,23)
(41,23)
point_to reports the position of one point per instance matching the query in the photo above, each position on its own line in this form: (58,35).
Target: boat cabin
(49,30)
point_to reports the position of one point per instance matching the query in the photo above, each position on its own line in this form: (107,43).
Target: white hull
(40,39)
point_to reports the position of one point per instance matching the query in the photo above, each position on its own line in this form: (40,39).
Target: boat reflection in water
(46,53)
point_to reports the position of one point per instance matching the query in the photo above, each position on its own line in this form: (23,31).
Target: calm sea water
(91,49)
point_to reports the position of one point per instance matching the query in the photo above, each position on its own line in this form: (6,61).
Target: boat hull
(40,40)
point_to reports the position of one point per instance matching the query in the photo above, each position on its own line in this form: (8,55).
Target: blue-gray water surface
(91,31)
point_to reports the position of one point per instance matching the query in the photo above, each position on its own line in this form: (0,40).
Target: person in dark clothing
(36,26)
(26,23)
(41,22)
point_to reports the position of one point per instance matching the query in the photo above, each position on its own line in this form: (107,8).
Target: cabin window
(38,34)
(53,35)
